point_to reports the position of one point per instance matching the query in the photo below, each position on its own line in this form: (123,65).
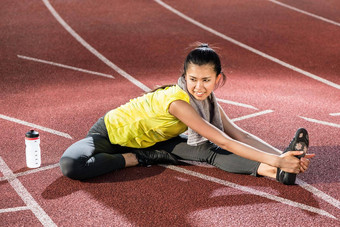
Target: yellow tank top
(145,120)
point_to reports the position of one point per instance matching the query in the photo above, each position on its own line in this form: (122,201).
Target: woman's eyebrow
(206,77)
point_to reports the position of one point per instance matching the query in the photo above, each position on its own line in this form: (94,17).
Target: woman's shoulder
(175,92)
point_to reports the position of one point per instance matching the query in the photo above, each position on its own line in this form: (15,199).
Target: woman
(146,131)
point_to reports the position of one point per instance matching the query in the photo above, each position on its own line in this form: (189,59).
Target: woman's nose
(199,84)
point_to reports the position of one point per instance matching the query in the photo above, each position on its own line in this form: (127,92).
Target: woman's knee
(69,168)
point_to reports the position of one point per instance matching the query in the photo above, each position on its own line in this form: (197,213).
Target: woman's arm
(245,137)
(186,113)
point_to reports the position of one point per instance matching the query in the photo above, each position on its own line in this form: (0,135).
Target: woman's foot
(147,157)
(300,142)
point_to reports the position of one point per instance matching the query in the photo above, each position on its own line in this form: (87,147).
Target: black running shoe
(300,142)
(147,157)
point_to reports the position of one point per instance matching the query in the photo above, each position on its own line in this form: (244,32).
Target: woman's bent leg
(90,157)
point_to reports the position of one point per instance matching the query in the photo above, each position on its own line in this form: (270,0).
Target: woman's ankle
(130,159)
(267,171)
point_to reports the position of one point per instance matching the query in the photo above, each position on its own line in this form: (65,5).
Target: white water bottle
(33,154)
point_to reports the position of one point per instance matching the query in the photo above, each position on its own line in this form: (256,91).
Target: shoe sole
(301,138)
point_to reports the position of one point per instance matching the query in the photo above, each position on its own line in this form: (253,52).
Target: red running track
(149,43)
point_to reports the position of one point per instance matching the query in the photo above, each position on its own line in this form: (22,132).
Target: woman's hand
(304,162)
(291,164)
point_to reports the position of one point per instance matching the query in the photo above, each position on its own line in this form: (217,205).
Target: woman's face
(201,80)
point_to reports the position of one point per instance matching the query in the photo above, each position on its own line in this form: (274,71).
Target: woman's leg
(211,154)
(92,156)
(222,159)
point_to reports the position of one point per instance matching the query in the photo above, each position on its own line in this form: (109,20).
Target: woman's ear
(218,78)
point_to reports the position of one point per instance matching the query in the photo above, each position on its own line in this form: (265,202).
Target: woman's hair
(203,55)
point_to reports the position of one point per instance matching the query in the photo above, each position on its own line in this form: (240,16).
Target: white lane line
(305,12)
(236,103)
(251,191)
(108,62)
(25,195)
(13,209)
(321,122)
(32,171)
(334,202)
(64,66)
(316,192)
(15,120)
(251,115)
(251,49)
(37,170)
(92,50)
(334,114)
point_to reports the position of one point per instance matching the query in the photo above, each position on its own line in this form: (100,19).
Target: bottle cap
(32,134)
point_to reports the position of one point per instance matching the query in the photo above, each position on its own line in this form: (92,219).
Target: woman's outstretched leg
(210,153)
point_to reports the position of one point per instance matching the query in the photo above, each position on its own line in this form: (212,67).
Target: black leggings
(95,155)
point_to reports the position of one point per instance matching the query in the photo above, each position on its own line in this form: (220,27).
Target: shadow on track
(157,196)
